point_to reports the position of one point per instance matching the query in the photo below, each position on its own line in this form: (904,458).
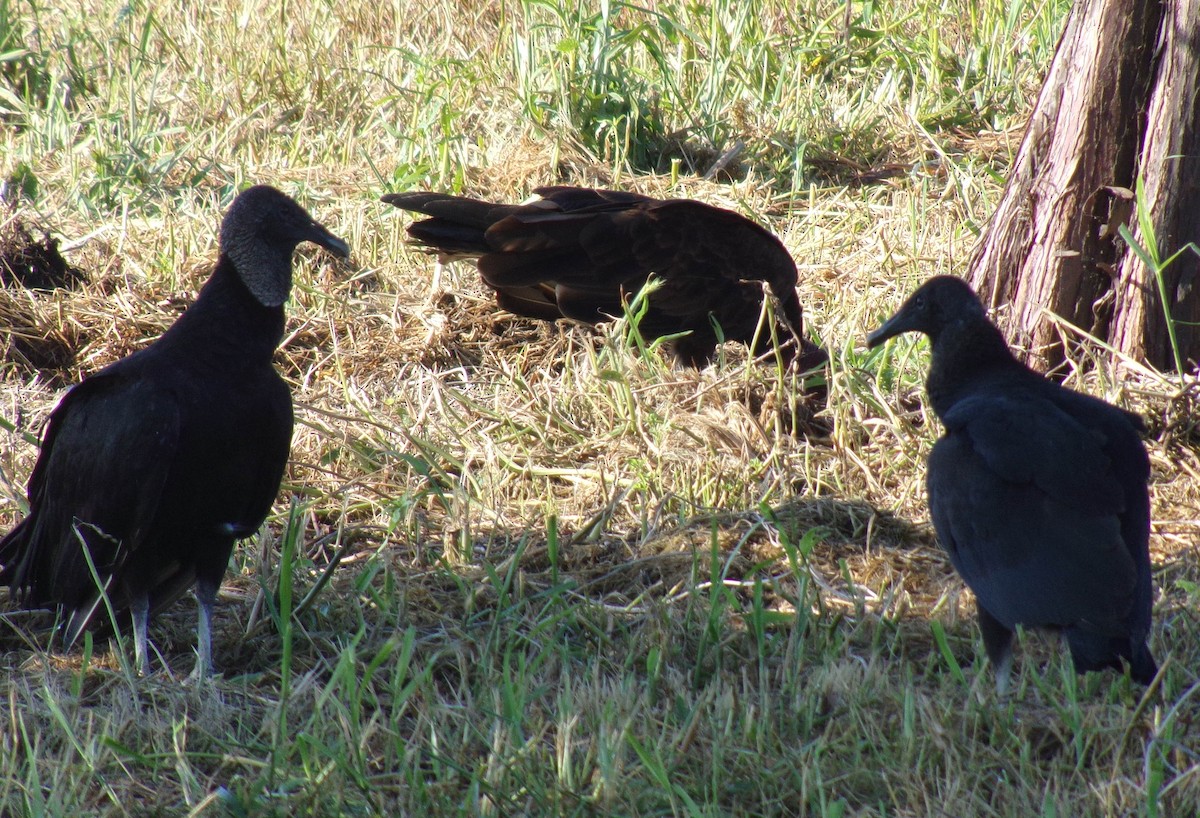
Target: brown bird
(583,254)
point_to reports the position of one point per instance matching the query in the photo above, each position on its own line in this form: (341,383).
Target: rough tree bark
(1120,101)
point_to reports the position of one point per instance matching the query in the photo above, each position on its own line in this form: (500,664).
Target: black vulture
(152,468)
(581,254)
(1037,492)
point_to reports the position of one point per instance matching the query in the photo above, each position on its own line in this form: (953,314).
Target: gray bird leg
(206,597)
(1003,671)
(140,611)
(997,641)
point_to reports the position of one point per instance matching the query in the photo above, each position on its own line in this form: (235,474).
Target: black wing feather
(99,475)
(1032,555)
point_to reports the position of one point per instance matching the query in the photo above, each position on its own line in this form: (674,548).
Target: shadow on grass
(830,552)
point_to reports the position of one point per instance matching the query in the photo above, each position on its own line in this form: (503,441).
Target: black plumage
(159,462)
(581,254)
(1037,492)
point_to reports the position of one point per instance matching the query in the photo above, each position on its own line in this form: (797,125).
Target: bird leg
(206,597)
(140,611)
(1003,669)
(997,641)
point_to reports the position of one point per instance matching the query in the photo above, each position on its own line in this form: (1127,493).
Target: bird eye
(919,301)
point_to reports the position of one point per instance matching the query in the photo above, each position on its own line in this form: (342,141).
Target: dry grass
(517,568)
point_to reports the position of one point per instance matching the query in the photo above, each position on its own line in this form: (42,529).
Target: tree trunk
(1170,169)
(1120,100)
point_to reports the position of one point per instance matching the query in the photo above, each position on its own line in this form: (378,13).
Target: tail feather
(568,198)
(1142,667)
(1096,651)
(79,618)
(457,226)
(449,239)
(13,549)
(468,212)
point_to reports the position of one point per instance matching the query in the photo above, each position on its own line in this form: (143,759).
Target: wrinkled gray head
(259,233)
(938,303)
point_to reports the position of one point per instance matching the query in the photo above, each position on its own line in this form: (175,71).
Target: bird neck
(964,352)
(226,320)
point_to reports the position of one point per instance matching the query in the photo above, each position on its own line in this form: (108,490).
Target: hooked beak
(898,324)
(319,235)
